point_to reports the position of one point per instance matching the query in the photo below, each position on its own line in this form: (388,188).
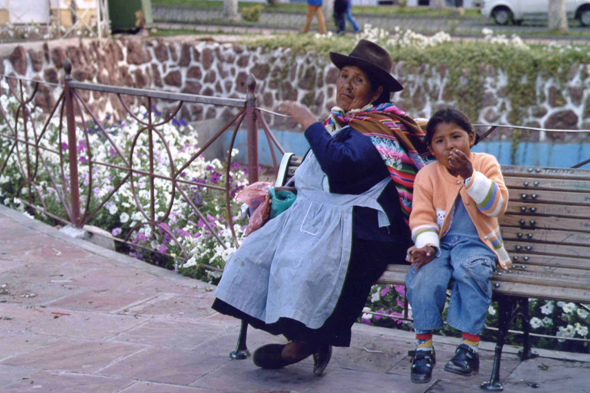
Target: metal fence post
(73,154)
(252,125)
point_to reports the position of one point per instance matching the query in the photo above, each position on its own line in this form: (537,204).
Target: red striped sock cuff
(471,337)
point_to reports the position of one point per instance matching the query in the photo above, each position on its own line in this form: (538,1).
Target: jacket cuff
(426,235)
(479,187)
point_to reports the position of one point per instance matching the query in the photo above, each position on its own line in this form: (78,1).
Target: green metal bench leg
(526,352)
(494,384)
(241,351)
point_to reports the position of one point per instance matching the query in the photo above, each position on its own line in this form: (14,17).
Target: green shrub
(252,14)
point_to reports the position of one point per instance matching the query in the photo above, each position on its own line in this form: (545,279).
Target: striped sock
(471,340)
(424,341)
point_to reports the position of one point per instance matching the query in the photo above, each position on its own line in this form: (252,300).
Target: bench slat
(527,259)
(553,173)
(546,236)
(548,249)
(553,197)
(508,284)
(550,210)
(547,184)
(557,223)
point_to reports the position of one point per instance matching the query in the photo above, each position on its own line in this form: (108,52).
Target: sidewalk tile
(10,375)
(72,355)
(111,279)
(151,387)
(85,325)
(170,334)
(165,366)
(160,285)
(175,306)
(243,376)
(543,375)
(93,300)
(15,318)
(12,344)
(67,383)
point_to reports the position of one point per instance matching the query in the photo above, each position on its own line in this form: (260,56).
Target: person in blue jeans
(454,223)
(342,11)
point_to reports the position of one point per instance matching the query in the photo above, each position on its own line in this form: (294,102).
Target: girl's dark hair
(448,115)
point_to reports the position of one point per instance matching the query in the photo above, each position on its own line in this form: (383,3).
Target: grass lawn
(421,11)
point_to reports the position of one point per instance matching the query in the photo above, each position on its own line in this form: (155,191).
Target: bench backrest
(546,231)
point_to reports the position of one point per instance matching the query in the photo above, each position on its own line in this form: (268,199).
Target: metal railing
(29,145)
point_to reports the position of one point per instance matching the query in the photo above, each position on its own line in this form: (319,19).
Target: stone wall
(221,69)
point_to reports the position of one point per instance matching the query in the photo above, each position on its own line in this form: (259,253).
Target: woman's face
(354,90)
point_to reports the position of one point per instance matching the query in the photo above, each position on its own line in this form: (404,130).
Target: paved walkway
(75,317)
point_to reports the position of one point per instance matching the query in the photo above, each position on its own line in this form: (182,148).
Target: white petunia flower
(113,209)
(124,217)
(547,309)
(491,310)
(581,329)
(582,313)
(547,321)
(375,297)
(569,308)
(536,323)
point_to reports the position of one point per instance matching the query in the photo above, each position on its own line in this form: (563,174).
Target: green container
(130,15)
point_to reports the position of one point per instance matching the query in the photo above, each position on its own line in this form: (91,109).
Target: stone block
(18,59)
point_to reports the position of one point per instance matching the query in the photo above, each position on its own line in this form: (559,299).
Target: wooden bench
(546,231)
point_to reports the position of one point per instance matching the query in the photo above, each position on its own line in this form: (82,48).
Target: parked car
(507,11)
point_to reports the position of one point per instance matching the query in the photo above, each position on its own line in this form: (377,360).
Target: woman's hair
(448,115)
(375,83)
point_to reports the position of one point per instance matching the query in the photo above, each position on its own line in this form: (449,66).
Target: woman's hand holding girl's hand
(421,256)
(298,112)
(460,164)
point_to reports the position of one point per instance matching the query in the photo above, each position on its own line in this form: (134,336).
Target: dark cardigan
(353,165)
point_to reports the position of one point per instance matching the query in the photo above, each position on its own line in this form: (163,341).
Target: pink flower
(385,291)
(116,231)
(83,159)
(162,249)
(64,146)
(378,317)
(401,289)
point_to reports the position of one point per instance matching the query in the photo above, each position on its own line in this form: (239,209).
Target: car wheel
(502,16)
(584,17)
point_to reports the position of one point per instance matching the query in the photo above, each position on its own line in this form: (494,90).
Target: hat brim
(388,81)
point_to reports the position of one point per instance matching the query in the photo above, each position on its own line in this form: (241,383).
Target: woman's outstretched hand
(421,256)
(298,112)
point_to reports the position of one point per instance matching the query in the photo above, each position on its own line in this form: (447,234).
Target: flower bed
(178,224)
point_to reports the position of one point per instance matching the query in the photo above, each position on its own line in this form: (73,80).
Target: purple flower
(401,289)
(385,291)
(96,190)
(116,231)
(182,122)
(162,249)
(83,159)
(235,165)
(164,225)
(215,177)
(113,152)
(245,170)
(378,317)
(81,146)
(210,218)
(201,223)
(140,237)
(64,146)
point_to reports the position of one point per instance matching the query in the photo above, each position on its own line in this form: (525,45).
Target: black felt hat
(372,59)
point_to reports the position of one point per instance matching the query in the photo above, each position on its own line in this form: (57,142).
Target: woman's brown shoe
(321,360)
(270,357)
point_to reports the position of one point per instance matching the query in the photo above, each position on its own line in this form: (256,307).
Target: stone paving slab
(104,322)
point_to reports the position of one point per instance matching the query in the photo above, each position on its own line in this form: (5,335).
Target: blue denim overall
(470,264)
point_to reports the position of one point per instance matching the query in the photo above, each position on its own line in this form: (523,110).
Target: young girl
(454,222)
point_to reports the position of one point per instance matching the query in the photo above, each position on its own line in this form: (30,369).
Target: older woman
(307,273)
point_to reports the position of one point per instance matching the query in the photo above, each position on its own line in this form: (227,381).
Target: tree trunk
(557,16)
(437,4)
(230,10)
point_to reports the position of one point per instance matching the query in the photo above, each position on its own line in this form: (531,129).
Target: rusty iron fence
(71,111)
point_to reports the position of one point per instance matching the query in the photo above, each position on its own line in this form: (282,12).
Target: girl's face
(449,136)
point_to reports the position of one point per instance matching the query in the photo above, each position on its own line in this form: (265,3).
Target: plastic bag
(281,200)
(257,197)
